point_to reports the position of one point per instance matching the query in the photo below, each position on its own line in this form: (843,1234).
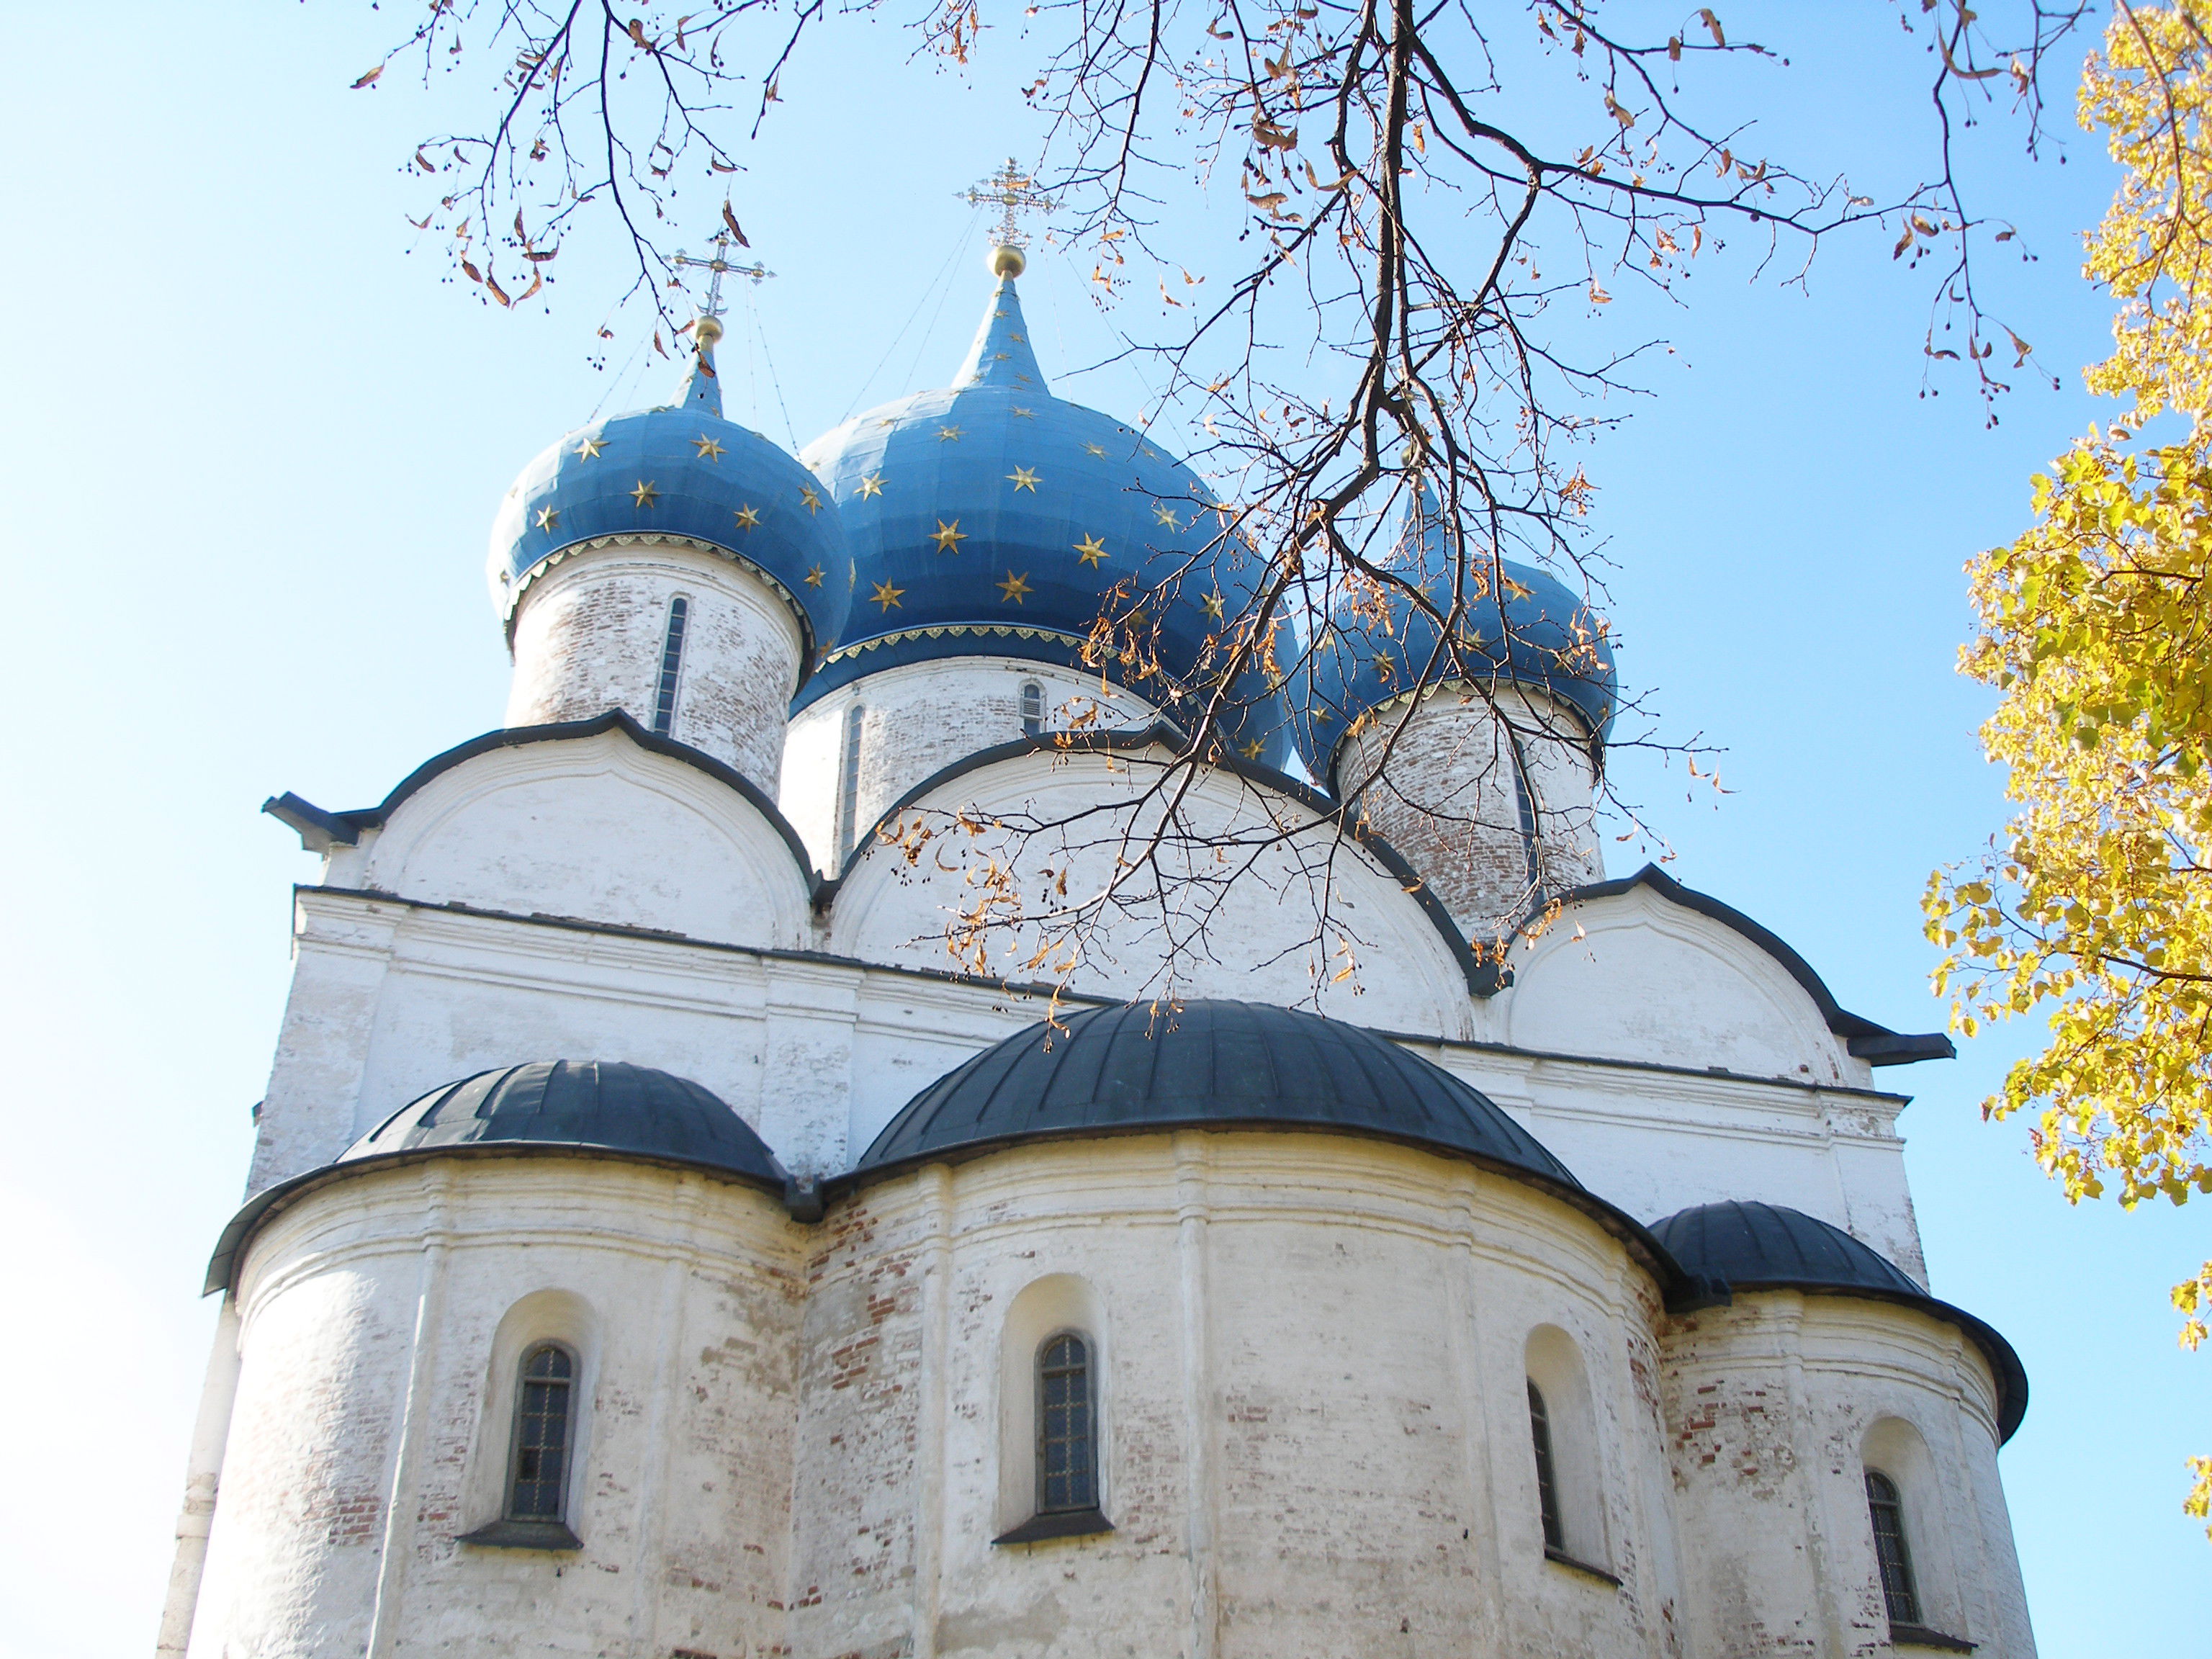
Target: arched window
(544,1419)
(671,662)
(1547,1479)
(1067,1446)
(848,783)
(1032,709)
(1887,1510)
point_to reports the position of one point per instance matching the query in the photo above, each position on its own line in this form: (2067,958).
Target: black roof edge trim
(615,720)
(1484,978)
(2004,1362)
(239,1231)
(1877,1045)
(1673,1281)
(319,832)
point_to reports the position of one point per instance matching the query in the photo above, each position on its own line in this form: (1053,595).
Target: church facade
(657,1246)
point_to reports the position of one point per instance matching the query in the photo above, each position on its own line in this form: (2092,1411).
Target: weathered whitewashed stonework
(806,1409)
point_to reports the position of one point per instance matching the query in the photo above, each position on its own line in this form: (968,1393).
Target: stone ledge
(1919,1635)
(1070,1524)
(522,1535)
(1561,1558)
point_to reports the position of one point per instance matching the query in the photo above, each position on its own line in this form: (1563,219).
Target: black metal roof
(1204,1064)
(607,1105)
(1754,1246)
(547,1105)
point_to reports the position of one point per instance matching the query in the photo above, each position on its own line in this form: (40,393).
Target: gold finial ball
(1007,261)
(707,332)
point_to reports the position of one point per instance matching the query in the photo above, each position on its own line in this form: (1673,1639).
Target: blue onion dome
(1751,1246)
(607,1107)
(992,519)
(1204,1064)
(1529,630)
(680,474)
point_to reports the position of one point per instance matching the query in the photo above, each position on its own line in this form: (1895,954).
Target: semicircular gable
(1278,919)
(586,821)
(1629,974)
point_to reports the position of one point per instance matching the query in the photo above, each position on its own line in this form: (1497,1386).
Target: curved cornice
(1484,978)
(1877,1045)
(345,828)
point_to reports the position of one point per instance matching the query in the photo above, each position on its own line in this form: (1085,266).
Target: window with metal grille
(544,1417)
(1032,707)
(1547,1483)
(848,784)
(672,662)
(1887,1510)
(1067,1461)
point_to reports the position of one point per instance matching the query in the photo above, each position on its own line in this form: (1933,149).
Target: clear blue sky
(252,444)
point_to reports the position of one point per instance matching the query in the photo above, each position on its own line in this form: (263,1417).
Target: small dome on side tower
(674,564)
(1493,769)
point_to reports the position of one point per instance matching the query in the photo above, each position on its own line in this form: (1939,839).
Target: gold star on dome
(1000,356)
(1099,450)
(1018,337)
(1166,516)
(645,494)
(1090,551)
(1021,413)
(710,449)
(948,435)
(871,483)
(997,313)
(1251,750)
(548,517)
(589,449)
(888,597)
(814,575)
(812,501)
(1212,605)
(948,536)
(748,518)
(1014,589)
(1022,478)
(888,420)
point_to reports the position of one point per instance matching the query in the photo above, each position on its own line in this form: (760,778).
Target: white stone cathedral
(659,1246)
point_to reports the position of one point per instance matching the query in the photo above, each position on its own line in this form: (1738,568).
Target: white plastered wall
(1316,1431)
(373,1419)
(1299,912)
(916,720)
(592,627)
(1771,1405)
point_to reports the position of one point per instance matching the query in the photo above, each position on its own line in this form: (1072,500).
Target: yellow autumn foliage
(2093,910)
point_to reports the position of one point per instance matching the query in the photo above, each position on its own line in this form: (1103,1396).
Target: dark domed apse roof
(551,1105)
(1755,1246)
(1533,632)
(681,471)
(992,519)
(606,1105)
(1209,1064)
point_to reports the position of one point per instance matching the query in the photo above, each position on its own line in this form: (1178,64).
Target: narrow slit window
(1547,1483)
(848,784)
(671,665)
(1067,1461)
(1032,709)
(544,1419)
(1887,1510)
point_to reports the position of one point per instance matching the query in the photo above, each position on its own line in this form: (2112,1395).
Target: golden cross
(1016,193)
(720,265)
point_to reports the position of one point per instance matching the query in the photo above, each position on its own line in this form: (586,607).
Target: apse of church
(652,1248)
